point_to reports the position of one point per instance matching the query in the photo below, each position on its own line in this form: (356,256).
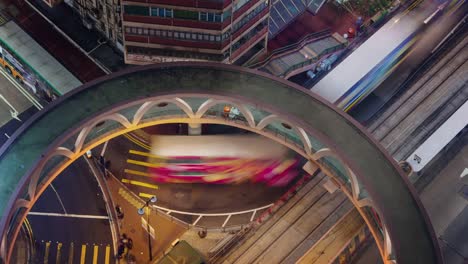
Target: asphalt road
(432,35)
(12,103)
(75,192)
(200,198)
(11,99)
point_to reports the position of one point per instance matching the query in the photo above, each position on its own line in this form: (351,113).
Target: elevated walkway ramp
(303,55)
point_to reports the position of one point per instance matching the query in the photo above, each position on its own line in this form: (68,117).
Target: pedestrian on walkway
(129,243)
(124,239)
(120,214)
(120,250)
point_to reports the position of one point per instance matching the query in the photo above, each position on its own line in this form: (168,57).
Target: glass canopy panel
(164,109)
(102,128)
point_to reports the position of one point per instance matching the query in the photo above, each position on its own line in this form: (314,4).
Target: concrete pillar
(194,129)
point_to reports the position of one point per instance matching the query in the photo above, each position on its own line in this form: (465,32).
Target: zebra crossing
(50,252)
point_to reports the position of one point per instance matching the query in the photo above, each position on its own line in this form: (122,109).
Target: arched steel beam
(409,229)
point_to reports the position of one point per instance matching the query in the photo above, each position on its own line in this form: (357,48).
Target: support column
(194,129)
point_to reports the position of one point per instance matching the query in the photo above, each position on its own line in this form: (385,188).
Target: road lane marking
(22,90)
(83,254)
(142,184)
(142,163)
(141,153)
(30,231)
(46,254)
(70,215)
(13,112)
(58,197)
(145,195)
(95,254)
(107,258)
(139,173)
(129,198)
(59,253)
(70,253)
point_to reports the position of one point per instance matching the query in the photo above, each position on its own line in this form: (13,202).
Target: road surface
(74,193)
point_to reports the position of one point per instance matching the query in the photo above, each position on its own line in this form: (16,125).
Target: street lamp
(141,211)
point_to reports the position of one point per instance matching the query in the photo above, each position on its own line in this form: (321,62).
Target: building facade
(227,31)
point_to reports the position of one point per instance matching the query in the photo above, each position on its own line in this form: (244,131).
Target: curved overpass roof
(406,232)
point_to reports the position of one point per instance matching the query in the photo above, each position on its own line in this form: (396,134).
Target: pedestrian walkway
(164,229)
(295,61)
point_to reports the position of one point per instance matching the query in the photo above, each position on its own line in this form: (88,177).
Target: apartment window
(185,14)
(203,16)
(210,17)
(145,31)
(136,10)
(127,30)
(161,12)
(134,30)
(140,31)
(151,32)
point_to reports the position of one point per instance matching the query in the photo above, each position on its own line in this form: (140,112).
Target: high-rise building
(208,30)
(150,31)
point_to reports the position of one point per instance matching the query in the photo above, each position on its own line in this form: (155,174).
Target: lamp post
(141,211)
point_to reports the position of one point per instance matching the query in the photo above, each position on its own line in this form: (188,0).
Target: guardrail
(167,212)
(292,47)
(312,60)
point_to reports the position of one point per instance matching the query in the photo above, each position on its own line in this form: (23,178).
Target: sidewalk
(134,225)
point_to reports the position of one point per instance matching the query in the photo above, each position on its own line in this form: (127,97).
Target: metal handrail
(292,47)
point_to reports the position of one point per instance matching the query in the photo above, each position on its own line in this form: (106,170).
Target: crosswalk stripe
(70,254)
(142,163)
(129,198)
(95,254)
(59,253)
(107,259)
(46,254)
(83,254)
(145,195)
(145,154)
(139,173)
(139,183)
